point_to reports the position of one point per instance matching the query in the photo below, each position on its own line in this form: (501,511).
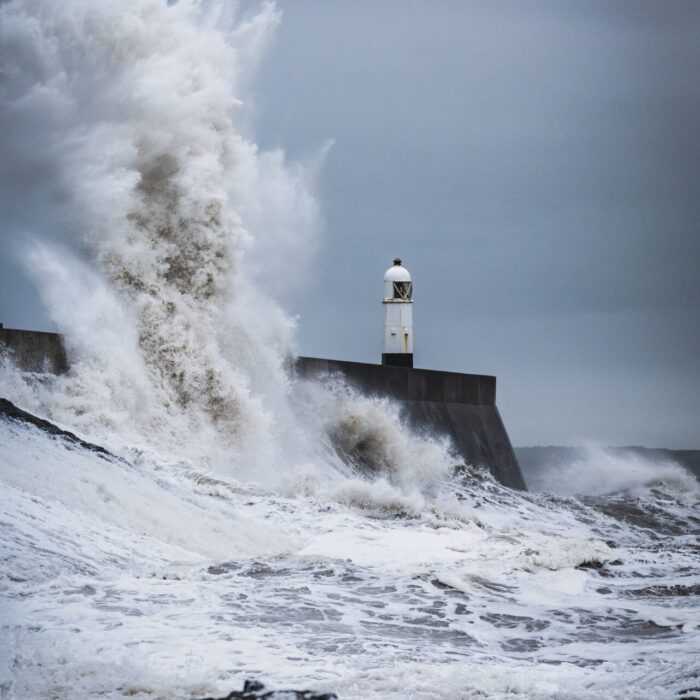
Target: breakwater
(34,351)
(460,406)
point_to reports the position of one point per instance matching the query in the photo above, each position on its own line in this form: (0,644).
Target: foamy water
(227,538)
(122,577)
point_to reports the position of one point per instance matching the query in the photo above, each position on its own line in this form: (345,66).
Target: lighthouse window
(402,290)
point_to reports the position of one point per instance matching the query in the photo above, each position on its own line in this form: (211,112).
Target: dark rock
(255,690)
(9,410)
(592,564)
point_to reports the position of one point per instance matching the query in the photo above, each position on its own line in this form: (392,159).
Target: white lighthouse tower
(398,317)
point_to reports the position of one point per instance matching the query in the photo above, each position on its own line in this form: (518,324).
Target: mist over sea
(222,537)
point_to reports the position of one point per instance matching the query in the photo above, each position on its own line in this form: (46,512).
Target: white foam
(602,471)
(168,212)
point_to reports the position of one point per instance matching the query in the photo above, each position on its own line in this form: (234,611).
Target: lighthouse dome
(397,273)
(397,283)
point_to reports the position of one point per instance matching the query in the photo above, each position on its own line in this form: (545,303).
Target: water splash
(599,471)
(160,209)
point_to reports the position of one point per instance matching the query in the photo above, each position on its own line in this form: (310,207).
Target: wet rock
(9,410)
(591,564)
(255,690)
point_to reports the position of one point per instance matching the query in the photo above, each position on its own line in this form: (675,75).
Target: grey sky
(537,167)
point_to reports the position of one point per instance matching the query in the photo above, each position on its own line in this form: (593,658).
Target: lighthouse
(397,349)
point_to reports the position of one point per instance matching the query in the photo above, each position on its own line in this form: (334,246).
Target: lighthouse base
(398,359)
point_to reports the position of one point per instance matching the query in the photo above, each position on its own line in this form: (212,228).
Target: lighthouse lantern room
(398,316)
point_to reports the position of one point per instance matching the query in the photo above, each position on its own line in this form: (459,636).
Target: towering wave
(161,233)
(129,119)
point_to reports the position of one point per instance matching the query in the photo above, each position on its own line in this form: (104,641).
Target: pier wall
(34,351)
(460,406)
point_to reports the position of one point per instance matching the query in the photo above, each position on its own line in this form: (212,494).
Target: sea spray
(597,471)
(142,256)
(166,230)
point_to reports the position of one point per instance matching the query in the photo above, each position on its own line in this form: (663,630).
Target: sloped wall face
(477,431)
(34,351)
(461,406)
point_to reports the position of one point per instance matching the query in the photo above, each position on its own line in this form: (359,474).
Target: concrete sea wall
(34,351)
(460,406)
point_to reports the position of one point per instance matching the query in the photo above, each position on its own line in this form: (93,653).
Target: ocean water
(138,577)
(225,538)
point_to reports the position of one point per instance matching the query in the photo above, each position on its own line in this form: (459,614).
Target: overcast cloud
(537,167)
